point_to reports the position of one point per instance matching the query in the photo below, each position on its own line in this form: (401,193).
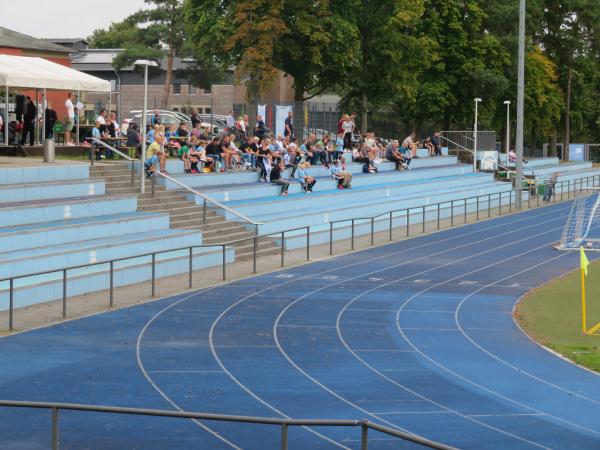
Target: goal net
(583,224)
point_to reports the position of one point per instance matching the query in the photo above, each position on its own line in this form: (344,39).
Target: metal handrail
(113,149)
(206,199)
(507,169)
(283,422)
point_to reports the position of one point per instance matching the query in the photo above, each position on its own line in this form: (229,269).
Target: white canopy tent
(38,73)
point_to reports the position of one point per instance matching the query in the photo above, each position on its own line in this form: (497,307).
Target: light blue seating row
(58,209)
(255,189)
(534,162)
(213,180)
(46,173)
(50,190)
(562,168)
(39,289)
(302,203)
(83,230)
(276,223)
(320,234)
(40,259)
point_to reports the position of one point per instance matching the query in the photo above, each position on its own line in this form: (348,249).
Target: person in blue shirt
(152,133)
(343,178)
(306,181)
(96,134)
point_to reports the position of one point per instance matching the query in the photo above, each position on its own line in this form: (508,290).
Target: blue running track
(416,335)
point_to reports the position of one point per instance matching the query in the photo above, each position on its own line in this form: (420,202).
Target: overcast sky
(63,18)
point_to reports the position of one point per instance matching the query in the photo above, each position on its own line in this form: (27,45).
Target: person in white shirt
(70,118)
(102,117)
(2,125)
(348,127)
(113,117)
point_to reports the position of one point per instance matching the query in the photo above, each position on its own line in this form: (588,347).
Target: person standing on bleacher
(29,121)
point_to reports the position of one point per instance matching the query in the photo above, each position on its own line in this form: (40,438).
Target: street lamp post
(520,107)
(507,103)
(145,63)
(477,100)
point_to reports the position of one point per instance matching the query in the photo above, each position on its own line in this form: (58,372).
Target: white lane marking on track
(516,402)
(406,388)
(508,364)
(314,380)
(140,364)
(158,389)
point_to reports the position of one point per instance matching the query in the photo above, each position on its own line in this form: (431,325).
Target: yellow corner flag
(584,261)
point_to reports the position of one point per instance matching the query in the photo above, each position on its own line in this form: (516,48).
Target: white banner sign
(262,111)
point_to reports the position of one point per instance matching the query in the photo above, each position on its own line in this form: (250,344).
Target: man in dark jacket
(51,119)
(29,121)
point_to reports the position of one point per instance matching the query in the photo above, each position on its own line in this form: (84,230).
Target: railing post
(224,263)
(562,189)
(331,238)
(204,212)
(465,218)
(372,231)
(132,171)
(391,225)
(282,248)
(499,203)
(510,200)
(64,301)
(153,274)
(452,213)
(423,219)
(254,250)
(92,156)
(529,198)
(111,284)
(153,183)
(364,437)
(190,268)
(54,428)
(308,243)
(352,236)
(477,217)
(284,436)
(11,306)
(407,222)
(489,205)
(568,188)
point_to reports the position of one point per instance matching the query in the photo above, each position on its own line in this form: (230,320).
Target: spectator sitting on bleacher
(133,138)
(306,181)
(512,156)
(407,153)
(152,134)
(343,177)
(184,155)
(182,131)
(261,159)
(213,150)
(277,176)
(200,154)
(249,150)
(393,154)
(319,154)
(429,146)
(152,156)
(96,134)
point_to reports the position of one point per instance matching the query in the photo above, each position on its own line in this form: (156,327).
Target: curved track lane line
(290,360)
(473,383)
(519,218)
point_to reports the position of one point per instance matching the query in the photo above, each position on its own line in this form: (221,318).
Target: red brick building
(18,44)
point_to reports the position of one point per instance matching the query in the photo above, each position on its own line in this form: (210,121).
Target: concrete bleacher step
(86,229)
(208,180)
(39,259)
(43,174)
(10,193)
(279,221)
(258,190)
(323,199)
(49,210)
(43,288)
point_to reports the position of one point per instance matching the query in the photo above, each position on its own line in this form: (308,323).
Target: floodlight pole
(145,63)
(507,103)
(520,108)
(477,100)
(7,121)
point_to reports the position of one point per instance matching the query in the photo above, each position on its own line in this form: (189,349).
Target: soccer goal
(583,224)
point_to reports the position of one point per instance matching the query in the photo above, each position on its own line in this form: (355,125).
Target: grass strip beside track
(551,315)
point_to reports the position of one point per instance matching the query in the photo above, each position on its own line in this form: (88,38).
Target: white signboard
(262,111)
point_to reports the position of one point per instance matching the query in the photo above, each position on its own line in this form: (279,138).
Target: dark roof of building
(100,59)
(14,39)
(65,40)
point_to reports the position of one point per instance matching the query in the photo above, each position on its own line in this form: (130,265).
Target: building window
(192,90)
(206,110)
(177,88)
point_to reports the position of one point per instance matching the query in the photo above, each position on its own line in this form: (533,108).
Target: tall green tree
(151,33)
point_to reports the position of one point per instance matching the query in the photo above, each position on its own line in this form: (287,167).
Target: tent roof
(39,73)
